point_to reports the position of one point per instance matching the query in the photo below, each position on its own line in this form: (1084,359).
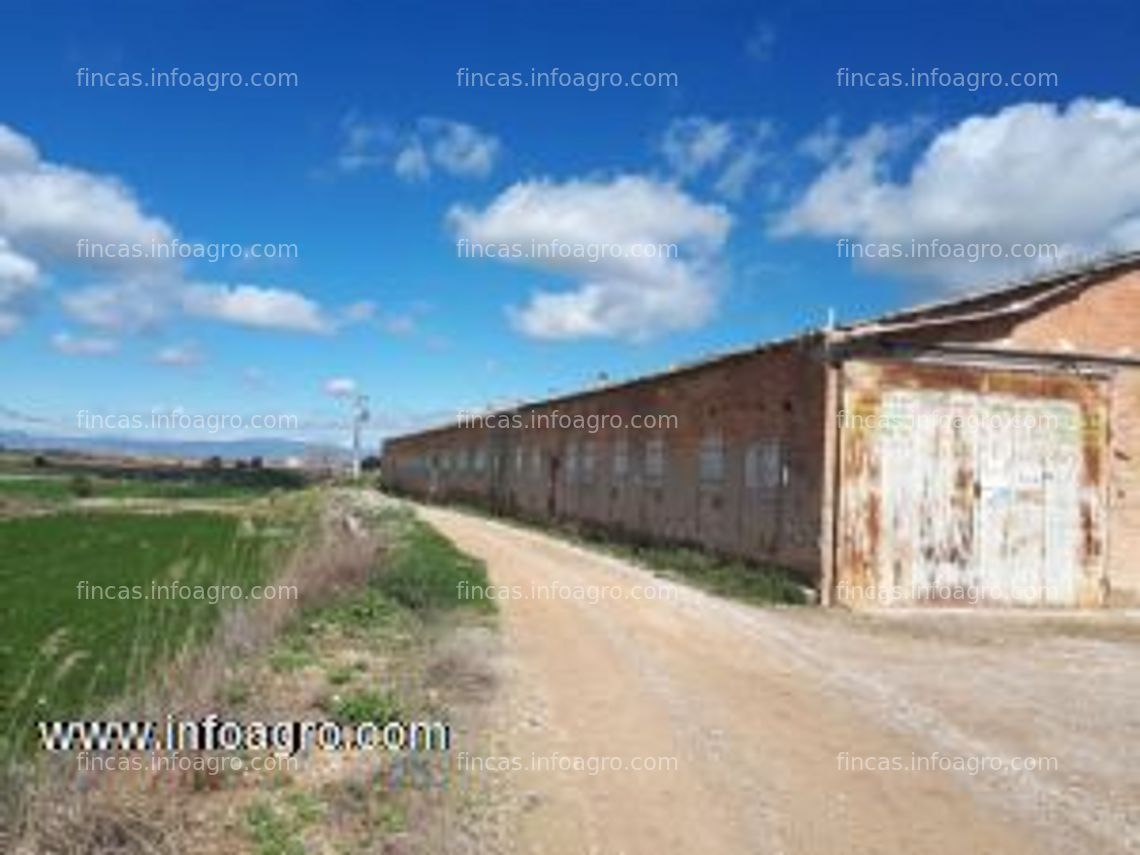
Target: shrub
(82,486)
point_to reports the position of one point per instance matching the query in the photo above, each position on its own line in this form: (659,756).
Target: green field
(63,486)
(61,654)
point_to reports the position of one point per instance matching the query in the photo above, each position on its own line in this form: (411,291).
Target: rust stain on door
(967,487)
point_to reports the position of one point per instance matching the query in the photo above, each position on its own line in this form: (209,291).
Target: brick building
(980,450)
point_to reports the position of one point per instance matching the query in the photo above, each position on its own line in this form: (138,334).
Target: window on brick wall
(571,461)
(480,459)
(621,458)
(763,465)
(711,458)
(655,459)
(588,462)
(519,459)
(536,462)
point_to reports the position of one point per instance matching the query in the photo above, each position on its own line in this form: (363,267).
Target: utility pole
(359,417)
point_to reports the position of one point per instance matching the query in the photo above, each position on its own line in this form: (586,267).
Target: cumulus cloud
(49,214)
(19,279)
(83,345)
(46,209)
(654,254)
(17,152)
(414,154)
(340,387)
(1029,174)
(253,306)
(732,152)
(123,306)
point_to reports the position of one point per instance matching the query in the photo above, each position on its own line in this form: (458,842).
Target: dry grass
(53,807)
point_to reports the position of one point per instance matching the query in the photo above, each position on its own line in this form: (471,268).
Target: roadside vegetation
(728,577)
(370,636)
(748,581)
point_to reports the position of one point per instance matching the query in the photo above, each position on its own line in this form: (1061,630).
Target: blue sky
(753,162)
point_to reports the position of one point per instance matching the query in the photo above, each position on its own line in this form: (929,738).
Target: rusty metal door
(1030,491)
(980,498)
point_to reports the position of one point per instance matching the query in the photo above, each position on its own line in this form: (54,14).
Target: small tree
(82,486)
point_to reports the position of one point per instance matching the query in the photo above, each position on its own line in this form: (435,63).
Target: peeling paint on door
(970,492)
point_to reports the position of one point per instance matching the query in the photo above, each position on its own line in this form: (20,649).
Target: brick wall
(760,413)
(1105,319)
(765,409)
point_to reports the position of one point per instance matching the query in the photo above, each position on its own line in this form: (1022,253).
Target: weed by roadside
(748,581)
(425,570)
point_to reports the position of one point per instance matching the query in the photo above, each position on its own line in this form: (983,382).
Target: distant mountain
(269,448)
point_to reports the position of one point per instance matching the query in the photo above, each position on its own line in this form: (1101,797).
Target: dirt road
(767,728)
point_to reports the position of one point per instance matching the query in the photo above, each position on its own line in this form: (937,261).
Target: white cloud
(340,387)
(1029,174)
(738,173)
(458,148)
(47,208)
(825,142)
(17,152)
(124,306)
(365,144)
(19,279)
(83,345)
(144,304)
(412,164)
(414,154)
(696,145)
(631,291)
(254,306)
(178,355)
